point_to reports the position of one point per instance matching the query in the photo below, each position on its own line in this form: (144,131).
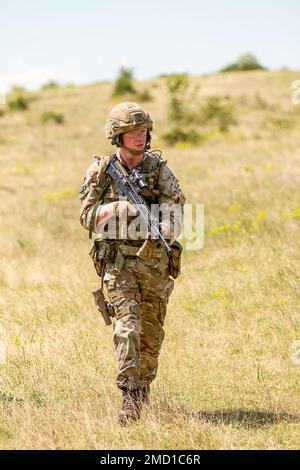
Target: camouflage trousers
(139,292)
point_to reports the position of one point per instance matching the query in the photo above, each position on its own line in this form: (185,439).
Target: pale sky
(86,41)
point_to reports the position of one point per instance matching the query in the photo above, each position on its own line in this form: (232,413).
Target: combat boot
(131,408)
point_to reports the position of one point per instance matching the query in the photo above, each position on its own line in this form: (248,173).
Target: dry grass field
(226,378)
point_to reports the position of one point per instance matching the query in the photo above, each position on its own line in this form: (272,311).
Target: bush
(177,110)
(50,85)
(18,89)
(177,135)
(2,113)
(49,116)
(284,122)
(177,82)
(145,95)
(216,110)
(124,82)
(245,62)
(18,104)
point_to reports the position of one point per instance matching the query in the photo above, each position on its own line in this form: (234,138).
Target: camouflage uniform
(139,289)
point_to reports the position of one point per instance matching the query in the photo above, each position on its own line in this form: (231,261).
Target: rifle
(130,185)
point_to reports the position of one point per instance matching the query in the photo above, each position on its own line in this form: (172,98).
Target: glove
(123,208)
(117,208)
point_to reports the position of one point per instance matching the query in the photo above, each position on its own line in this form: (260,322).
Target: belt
(131,250)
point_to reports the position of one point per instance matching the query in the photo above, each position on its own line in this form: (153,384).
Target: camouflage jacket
(163,188)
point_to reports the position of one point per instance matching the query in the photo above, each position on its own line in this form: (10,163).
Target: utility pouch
(150,248)
(119,262)
(100,253)
(175,259)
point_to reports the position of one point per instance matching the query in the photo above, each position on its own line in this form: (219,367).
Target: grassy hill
(226,378)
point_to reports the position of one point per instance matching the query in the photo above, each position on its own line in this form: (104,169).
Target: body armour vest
(149,170)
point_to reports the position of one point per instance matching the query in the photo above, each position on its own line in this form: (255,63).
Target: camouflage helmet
(124,117)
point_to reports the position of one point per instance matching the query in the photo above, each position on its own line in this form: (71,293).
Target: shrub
(50,85)
(177,83)
(124,82)
(177,135)
(177,110)
(244,62)
(216,110)
(18,104)
(49,116)
(145,95)
(18,89)
(283,122)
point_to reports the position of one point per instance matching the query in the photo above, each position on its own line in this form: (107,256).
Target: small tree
(20,103)
(244,62)
(50,85)
(179,112)
(124,82)
(177,86)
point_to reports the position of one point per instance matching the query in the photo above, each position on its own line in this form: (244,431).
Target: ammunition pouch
(149,249)
(123,251)
(101,252)
(175,259)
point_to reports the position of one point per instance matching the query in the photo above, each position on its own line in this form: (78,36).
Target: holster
(175,259)
(105,308)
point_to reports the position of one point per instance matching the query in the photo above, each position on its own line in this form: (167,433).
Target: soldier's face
(135,139)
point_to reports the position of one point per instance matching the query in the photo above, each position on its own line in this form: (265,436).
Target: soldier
(137,288)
